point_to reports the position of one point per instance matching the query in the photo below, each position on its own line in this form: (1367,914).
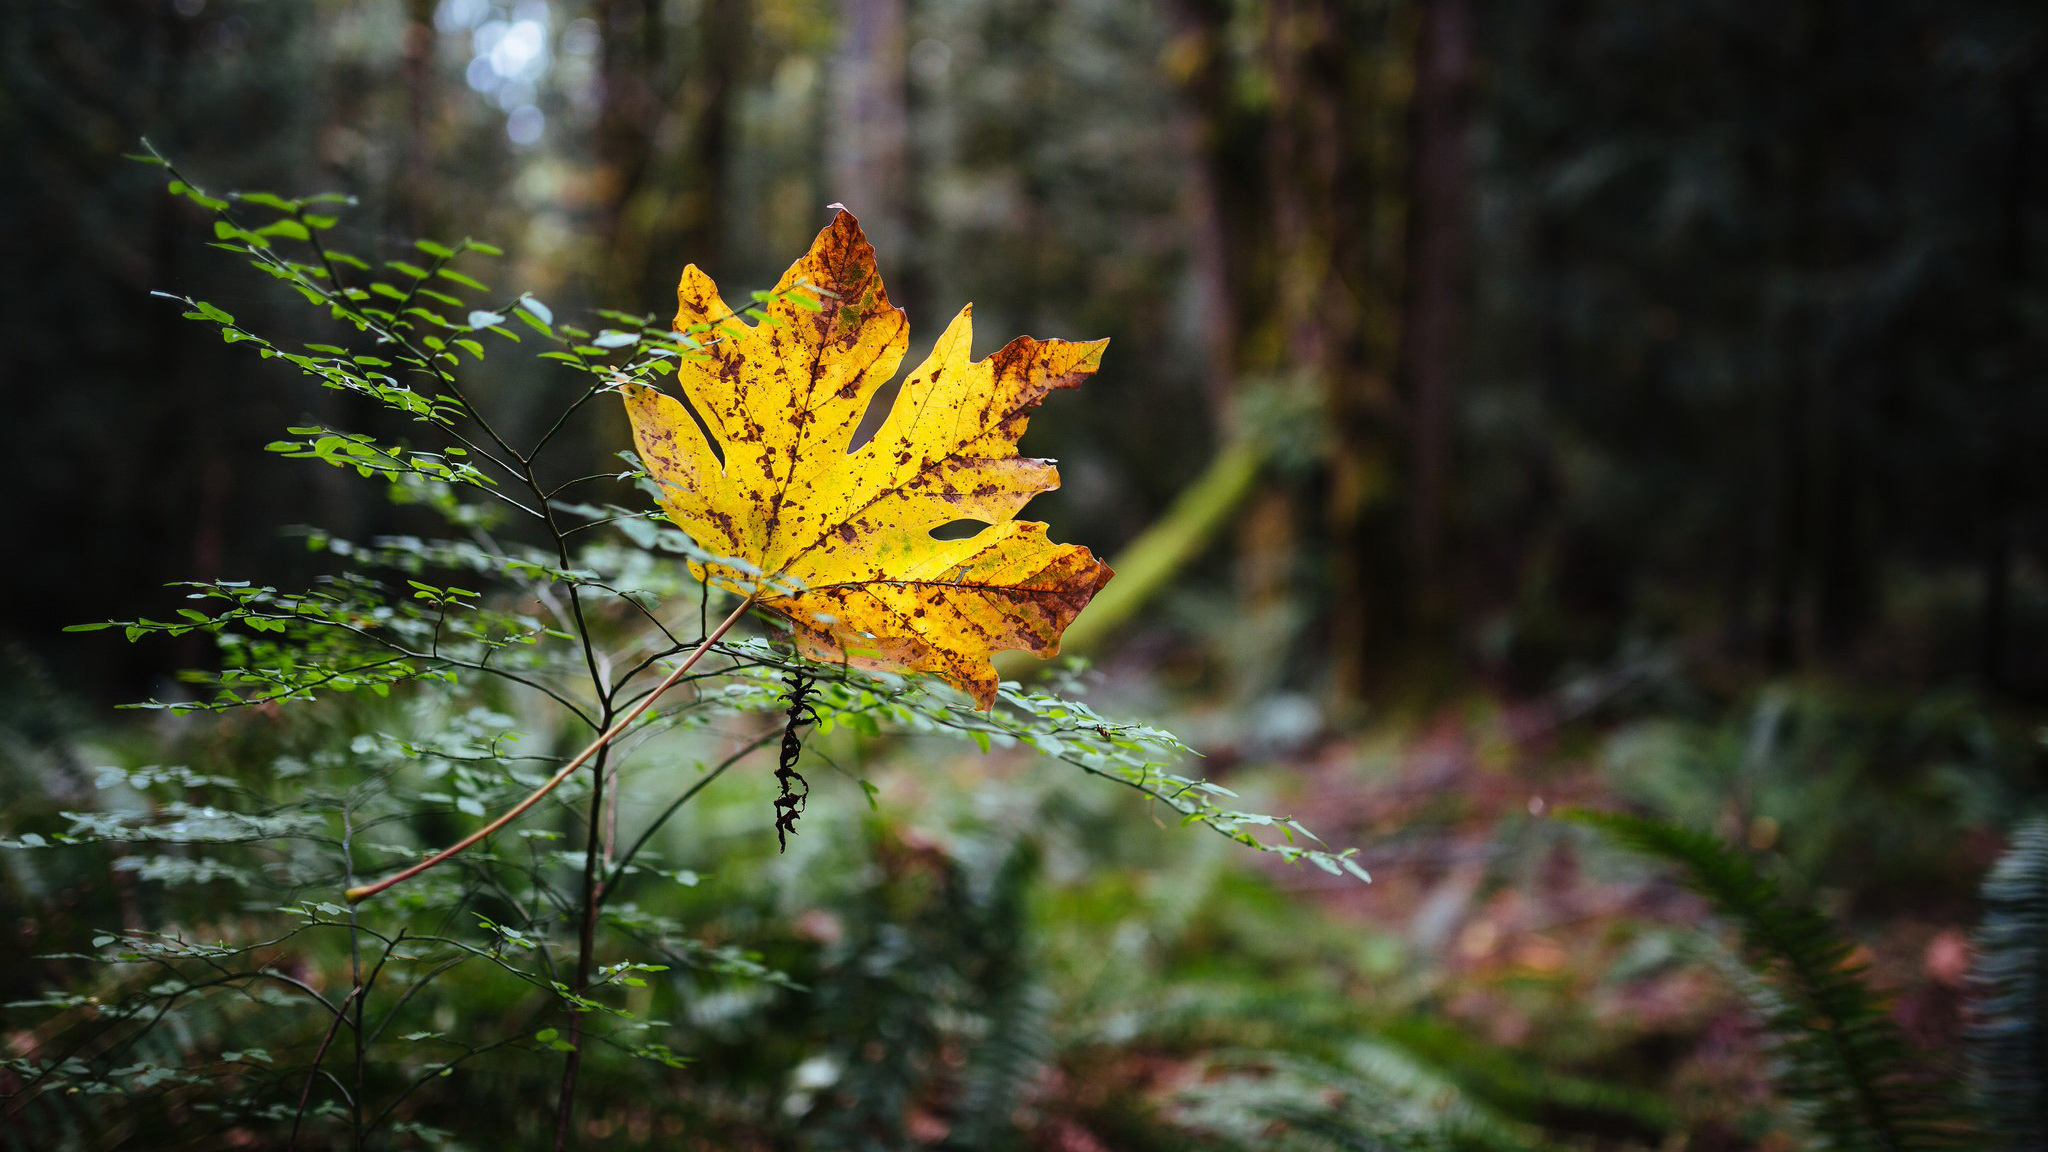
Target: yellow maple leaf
(839,541)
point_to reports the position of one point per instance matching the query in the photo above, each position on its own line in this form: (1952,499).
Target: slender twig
(415,989)
(364,892)
(336,297)
(439,1070)
(557,489)
(358,986)
(626,858)
(646,612)
(405,653)
(586,954)
(20,1097)
(738,666)
(313,1073)
(650,661)
(598,523)
(564,418)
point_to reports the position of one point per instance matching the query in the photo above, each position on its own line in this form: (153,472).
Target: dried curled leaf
(840,541)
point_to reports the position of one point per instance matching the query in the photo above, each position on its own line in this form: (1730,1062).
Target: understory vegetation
(975,950)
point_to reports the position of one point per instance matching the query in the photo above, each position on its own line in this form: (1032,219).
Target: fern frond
(1529,1090)
(1013,1006)
(1842,1061)
(2008,1045)
(1372,1097)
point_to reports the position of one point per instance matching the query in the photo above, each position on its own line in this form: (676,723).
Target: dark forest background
(1573,327)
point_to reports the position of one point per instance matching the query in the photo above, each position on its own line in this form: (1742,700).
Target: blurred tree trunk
(630,111)
(1226,201)
(1210,132)
(2003,467)
(1794,174)
(869,147)
(722,58)
(1297,207)
(416,185)
(665,142)
(1348,266)
(1231,207)
(1439,180)
(632,115)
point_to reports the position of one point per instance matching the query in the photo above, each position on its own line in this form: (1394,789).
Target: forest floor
(1544,943)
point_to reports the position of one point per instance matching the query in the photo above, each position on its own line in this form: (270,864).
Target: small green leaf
(180,188)
(268,200)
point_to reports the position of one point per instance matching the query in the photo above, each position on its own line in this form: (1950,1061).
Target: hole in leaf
(958,529)
(877,411)
(883,402)
(717,448)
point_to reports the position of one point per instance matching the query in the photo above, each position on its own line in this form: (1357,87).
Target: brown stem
(363,892)
(586,951)
(313,1073)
